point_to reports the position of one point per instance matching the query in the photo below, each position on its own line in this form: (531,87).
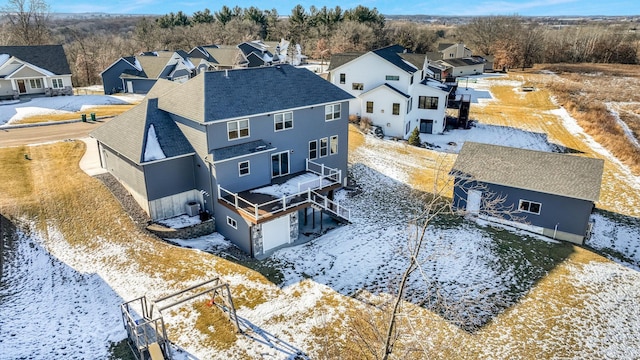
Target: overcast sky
(387,7)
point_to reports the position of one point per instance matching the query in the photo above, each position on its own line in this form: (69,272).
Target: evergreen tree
(414,138)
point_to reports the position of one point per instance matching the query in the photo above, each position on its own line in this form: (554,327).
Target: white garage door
(275,233)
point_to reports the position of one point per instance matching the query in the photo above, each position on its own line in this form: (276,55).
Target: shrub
(365,124)
(414,138)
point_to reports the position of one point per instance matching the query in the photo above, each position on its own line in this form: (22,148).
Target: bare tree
(28,21)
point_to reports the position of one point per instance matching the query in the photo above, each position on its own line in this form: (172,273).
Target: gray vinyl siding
(140,86)
(181,72)
(240,236)
(569,214)
(125,170)
(169,177)
(308,124)
(111,77)
(5,88)
(228,175)
(195,134)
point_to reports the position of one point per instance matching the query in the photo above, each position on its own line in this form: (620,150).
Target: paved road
(47,133)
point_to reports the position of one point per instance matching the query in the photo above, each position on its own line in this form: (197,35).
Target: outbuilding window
(530,207)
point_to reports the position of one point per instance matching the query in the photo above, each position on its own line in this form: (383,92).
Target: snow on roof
(188,64)
(153,151)
(410,64)
(436,84)
(137,65)
(4,58)
(267,58)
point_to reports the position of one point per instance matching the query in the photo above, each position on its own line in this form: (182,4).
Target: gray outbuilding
(547,193)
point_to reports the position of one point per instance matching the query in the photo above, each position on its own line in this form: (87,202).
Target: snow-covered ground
(12,111)
(463,266)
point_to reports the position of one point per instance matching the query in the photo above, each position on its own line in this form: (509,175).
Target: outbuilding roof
(553,173)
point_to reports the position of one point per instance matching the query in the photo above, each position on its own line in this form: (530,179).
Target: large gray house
(253,147)
(547,193)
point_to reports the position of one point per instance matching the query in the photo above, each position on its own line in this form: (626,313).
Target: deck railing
(269,208)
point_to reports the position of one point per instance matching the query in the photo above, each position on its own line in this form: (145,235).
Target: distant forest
(94,43)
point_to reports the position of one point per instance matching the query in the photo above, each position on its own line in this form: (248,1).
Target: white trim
(331,141)
(248,116)
(238,130)
(232,222)
(317,150)
(160,160)
(530,202)
(245,155)
(326,148)
(333,111)
(240,174)
(284,121)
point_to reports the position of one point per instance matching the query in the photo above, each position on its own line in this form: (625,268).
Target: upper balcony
(288,194)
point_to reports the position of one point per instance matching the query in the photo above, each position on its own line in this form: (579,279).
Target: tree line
(514,41)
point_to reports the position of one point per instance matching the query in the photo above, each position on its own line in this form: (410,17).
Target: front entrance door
(280,164)
(21,87)
(474,197)
(130,87)
(426,126)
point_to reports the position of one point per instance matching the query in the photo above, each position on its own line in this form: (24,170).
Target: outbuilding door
(426,126)
(474,197)
(275,233)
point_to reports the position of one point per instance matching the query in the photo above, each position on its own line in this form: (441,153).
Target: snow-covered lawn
(12,111)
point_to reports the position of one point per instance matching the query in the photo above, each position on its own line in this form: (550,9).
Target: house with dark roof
(217,57)
(393,88)
(256,160)
(36,69)
(137,74)
(546,193)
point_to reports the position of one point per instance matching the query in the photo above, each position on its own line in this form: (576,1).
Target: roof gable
(338,60)
(127,133)
(388,88)
(552,173)
(49,57)
(392,55)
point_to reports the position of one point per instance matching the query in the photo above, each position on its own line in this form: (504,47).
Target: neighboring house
(547,193)
(138,74)
(221,137)
(393,88)
(31,70)
(258,53)
(453,51)
(463,66)
(217,57)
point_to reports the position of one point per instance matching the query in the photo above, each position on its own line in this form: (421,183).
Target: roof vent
(261,147)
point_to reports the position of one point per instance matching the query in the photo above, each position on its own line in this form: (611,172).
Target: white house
(31,70)
(454,51)
(391,87)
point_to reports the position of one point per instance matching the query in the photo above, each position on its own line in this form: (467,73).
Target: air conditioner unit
(193,208)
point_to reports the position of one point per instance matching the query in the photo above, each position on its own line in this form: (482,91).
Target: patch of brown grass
(219,332)
(100,111)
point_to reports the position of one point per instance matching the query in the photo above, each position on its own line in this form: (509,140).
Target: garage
(275,233)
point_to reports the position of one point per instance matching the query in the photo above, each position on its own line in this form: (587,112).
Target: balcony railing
(306,194)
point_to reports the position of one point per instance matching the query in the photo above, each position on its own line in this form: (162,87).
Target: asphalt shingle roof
(342,58)
(226,94)
(48,57)
(247,148)
(127,133)
(392,54)
(552,173)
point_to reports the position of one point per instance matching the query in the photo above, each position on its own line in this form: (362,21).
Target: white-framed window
(332,112)
(392,77)
(243,168)
(395,110)
(313,149)
(409,105)
(324,145)
(407,128)
(530,206)
(283,121)
(232,222)
(57,83)
(343,78)
(280,164)
(238,129)
(357,86)
(333,145)
(35,83)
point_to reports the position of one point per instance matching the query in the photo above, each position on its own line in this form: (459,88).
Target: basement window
(530,207)
(232,222)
